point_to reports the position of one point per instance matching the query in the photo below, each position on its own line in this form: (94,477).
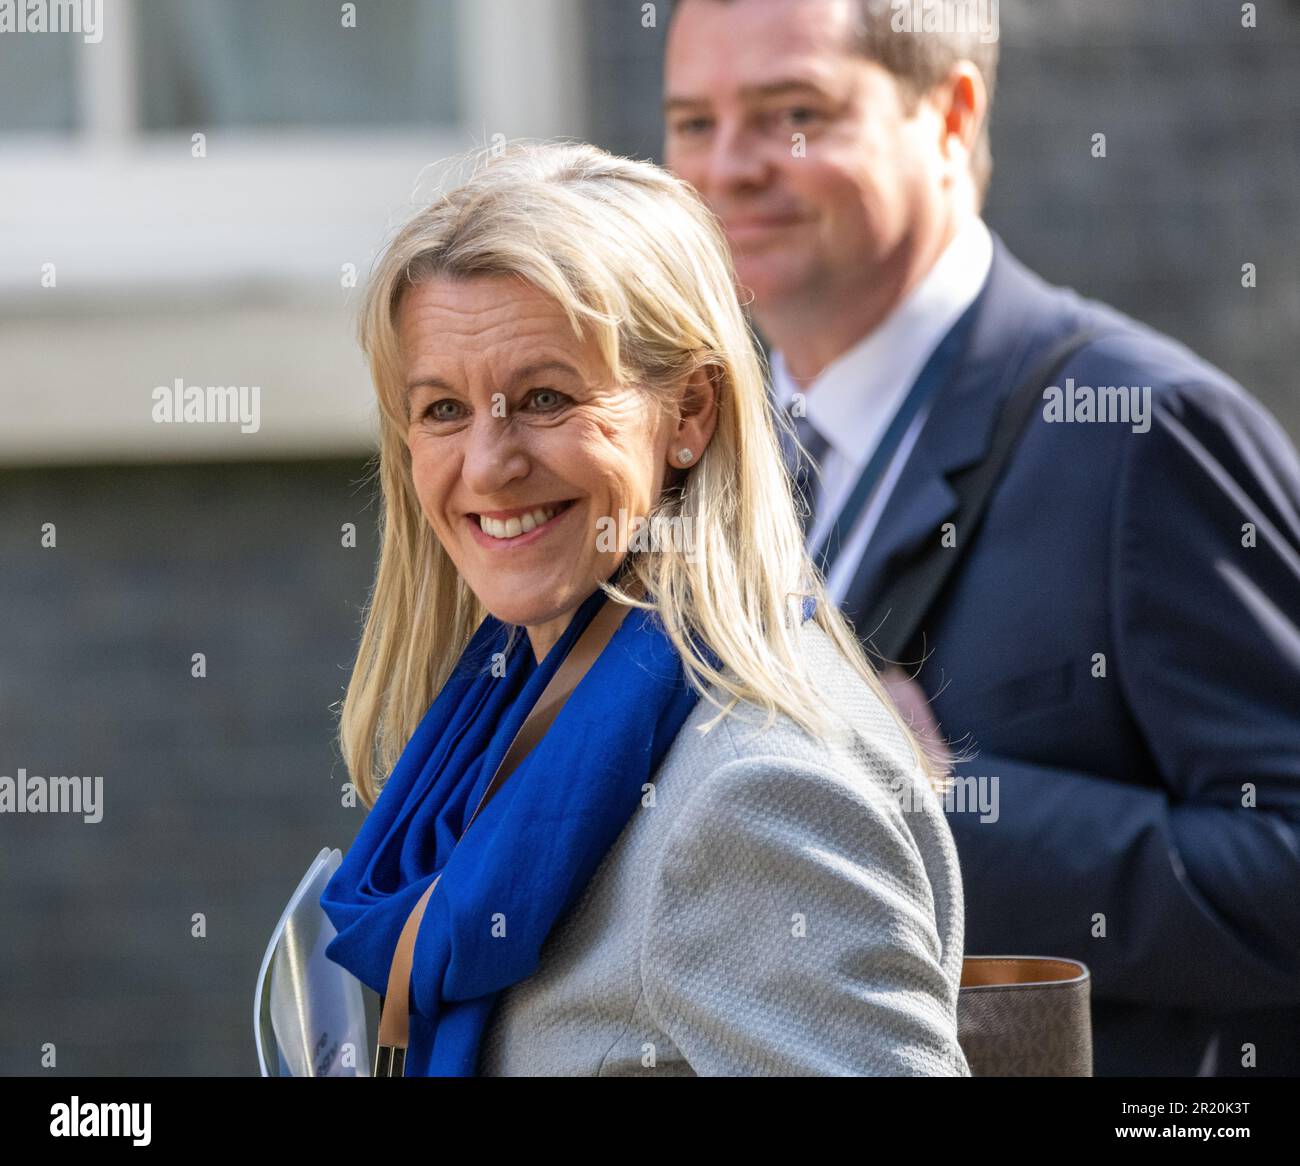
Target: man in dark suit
(1117,652)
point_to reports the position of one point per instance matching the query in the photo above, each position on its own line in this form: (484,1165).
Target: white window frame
(228,269)
(76,201)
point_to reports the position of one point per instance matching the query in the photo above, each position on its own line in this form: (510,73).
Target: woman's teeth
(519,524)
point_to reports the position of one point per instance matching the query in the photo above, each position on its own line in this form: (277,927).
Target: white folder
(309,1014)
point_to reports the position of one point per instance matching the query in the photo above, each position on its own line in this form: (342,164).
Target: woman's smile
(521,529)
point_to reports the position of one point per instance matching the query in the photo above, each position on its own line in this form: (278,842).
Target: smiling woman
(520,440)
(557,345)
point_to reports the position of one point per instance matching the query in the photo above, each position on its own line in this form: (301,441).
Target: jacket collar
(1013,319)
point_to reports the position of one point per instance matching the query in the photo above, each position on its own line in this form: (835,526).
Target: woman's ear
(697,411)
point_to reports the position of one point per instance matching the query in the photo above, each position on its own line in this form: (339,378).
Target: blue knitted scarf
(535,845)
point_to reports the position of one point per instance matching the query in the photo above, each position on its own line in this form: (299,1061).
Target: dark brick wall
(217,792)
(1201,173)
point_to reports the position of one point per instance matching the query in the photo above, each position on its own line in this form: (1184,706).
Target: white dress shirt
(854,398)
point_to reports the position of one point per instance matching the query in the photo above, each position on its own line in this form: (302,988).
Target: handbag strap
(898,613)
(394,1006)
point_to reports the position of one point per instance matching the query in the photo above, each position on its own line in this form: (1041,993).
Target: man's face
(810,218)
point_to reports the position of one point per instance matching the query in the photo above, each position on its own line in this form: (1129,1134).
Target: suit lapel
(956,435)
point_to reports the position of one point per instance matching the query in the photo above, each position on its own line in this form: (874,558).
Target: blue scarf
(536,843)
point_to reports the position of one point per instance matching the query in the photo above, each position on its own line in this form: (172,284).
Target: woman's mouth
(520,529)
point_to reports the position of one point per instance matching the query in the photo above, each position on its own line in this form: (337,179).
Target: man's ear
(962,100)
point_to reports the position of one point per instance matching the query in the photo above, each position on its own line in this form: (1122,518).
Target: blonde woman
(723,854)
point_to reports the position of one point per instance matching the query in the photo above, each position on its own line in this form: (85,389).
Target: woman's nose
(492,454)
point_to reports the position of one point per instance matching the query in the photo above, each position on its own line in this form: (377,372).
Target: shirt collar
(853,398)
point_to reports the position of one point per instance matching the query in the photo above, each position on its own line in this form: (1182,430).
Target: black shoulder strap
(895,618)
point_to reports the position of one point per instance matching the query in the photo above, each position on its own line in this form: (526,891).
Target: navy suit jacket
(1122,653)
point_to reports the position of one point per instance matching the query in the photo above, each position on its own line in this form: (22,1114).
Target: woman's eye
(548,399)
(444,410)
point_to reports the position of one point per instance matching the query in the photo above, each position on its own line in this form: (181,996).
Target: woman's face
(515,425)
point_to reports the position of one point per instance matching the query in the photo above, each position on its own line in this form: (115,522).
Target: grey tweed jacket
(777,905)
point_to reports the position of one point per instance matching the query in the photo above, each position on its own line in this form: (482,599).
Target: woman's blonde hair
(637,261)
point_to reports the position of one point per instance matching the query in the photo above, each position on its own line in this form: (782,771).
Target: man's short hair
(919,41)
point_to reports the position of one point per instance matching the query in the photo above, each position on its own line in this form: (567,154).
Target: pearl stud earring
(684,456)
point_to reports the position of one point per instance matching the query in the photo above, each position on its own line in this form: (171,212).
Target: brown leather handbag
(1025,1016)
